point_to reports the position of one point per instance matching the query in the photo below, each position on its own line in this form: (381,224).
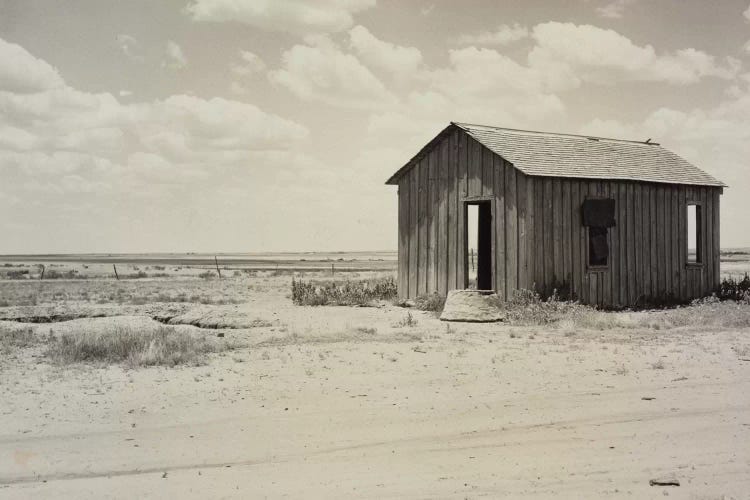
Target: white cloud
(395,59)
(21,72)
(746,47)
(615,9)
(747,13)
(294,16)
(503,35)
(175,58)
(571,53)
(250,64)
(129,46)
(125,93)
(322,72)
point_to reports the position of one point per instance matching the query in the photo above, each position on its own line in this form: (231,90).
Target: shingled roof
(565,155)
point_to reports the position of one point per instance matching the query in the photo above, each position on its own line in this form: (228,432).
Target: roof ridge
(464,126)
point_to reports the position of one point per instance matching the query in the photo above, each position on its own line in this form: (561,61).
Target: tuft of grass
(366,330)
(347,293)
(408,321)
(658,365)
(163,346)
(432,302)
(16,338)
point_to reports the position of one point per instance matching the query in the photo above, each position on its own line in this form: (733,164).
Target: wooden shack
(608,222)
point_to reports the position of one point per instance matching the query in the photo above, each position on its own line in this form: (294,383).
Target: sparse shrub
(54,274)
(348,293)
(526,307)
(735,289)
(433,302)
(15,338)
(138,275)
(366,330)
(659,365)
(18,274)
(408,321)
(207,275)
(162,346)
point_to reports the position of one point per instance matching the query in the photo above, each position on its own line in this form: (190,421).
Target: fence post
(332,270)
(42,276)
(116,275)
(217,266)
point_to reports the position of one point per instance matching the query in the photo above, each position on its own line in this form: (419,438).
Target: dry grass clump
(709,312)
(347,293)
(15,338)
(527,308)
(163,346)
(432,302)
(735,289)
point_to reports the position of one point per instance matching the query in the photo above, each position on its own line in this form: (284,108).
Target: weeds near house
(164,346)
(433,302)
(735,289)
(348,293)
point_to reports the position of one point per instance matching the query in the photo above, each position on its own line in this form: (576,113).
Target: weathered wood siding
(539,241)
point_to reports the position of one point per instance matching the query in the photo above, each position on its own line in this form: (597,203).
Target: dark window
(695,233)
(598,247)
(598,215)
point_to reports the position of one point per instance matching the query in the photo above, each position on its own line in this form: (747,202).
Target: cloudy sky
(271,125)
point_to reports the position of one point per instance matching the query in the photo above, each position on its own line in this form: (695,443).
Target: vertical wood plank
(422,230)
(622,225)
(500,228)
(451,282)
(539,234)
(511,231)
(460,226)
(475,168)
(549,252)
(522,211)
(654,242)
(717,235)
(413,231)
(708,265)
(446,220)
(566,243)
(575,230)
(557,251)
(488,168)
(530,234)
(682,241)
(646,223)
(674,224)
(403,237)
(638,241)
(432,216)
(616,249)
(663,238)
(631,248)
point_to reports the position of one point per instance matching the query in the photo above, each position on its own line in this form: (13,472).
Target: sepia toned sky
(258,125)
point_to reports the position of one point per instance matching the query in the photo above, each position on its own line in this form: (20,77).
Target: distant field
(188,264)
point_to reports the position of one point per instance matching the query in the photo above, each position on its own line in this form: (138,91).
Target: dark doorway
(478,247)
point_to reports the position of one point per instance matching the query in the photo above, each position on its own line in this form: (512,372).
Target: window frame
(699,233)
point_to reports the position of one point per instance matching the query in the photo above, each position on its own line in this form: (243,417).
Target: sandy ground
(320,406)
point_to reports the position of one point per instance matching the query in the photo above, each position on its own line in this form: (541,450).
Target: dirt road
(323,408)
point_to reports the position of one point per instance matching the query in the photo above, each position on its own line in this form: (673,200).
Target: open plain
(367,402)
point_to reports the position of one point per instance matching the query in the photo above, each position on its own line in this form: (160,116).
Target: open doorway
(478,245)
